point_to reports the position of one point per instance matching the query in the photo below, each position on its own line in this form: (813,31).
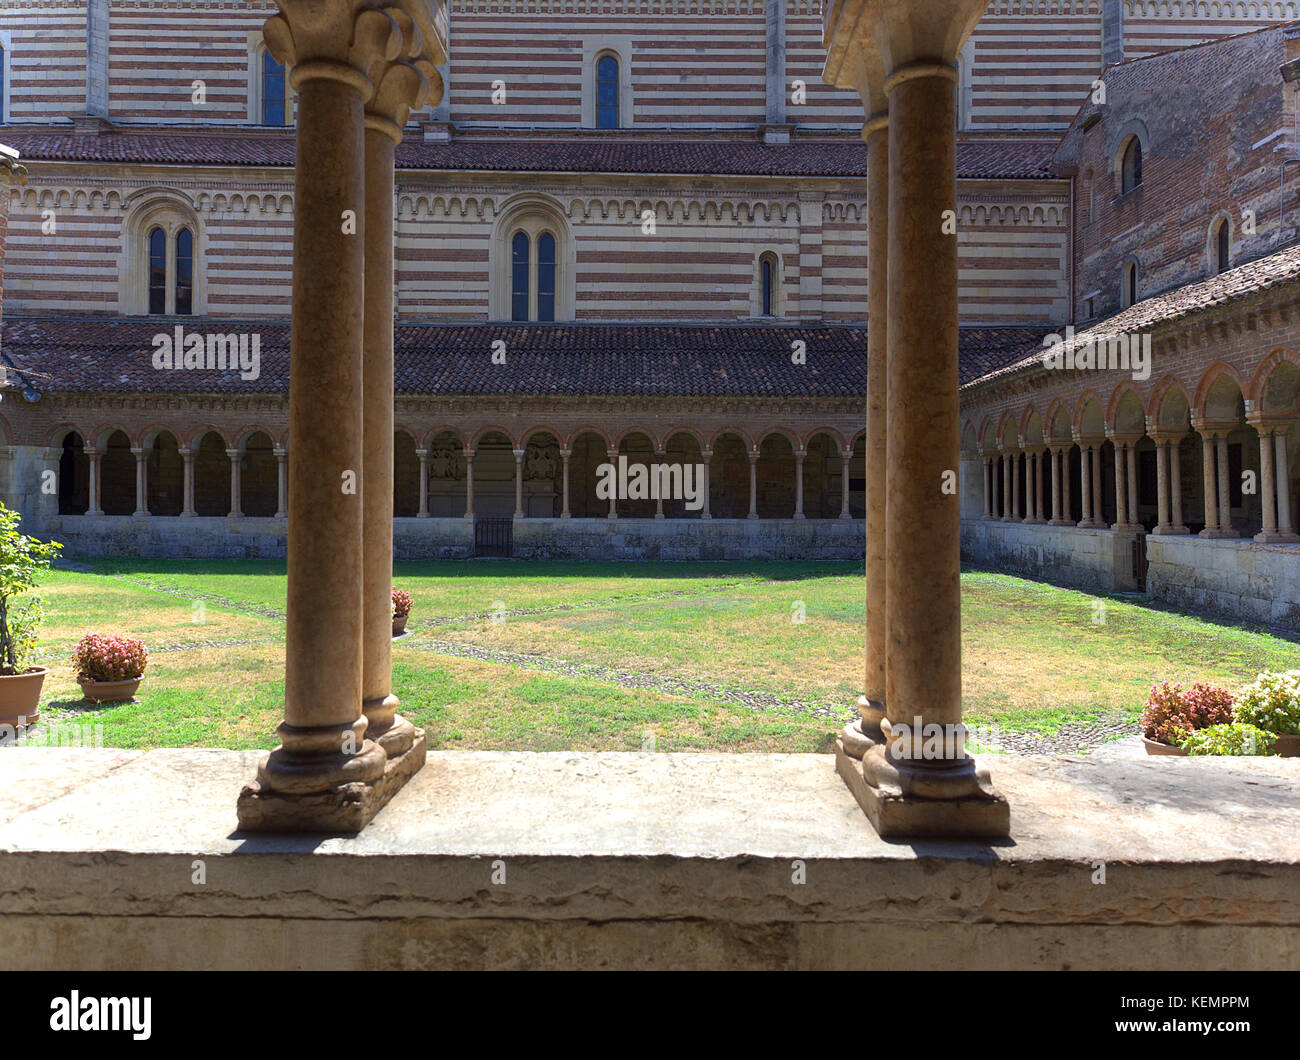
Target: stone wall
(451,539)
(1238,579)
(1096,560)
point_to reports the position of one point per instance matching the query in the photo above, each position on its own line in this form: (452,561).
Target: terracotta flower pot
(399,624)
(20,697)
(1155,747)
(109,691)
(1287,746)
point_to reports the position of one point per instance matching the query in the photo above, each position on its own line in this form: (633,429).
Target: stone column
(798,483)
(658,481)
(1176,486)
(1006,488)
(902,790)
(281,482)
(1162,487)
(1134,517)
(1015,487)
(1284,524)
(1097,518)
(1040,503)
(1225,497)
(564,511)
(1268,483)
(1211,485)
(753,484)
(326,775)
(236,487)
(1085,465)
(93,457)
(706,455)
(612,456)
(1057,458)
(1121,491)
(846,460)
(988,487)
(422,455)
(469,484)
(141,482)
(519,482)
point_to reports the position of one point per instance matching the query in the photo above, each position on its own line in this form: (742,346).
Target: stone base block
(344,810)
(893,815)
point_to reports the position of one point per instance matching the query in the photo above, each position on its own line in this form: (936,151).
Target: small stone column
(1059,496)
(1134,517)
(469,484)
(141,482)
(706,456)
(658,480)
(1006,487)
(798,483)
(564,510)
(612,456)
(519,482)
(1211,481)
(187,484)
(1163,525)
(93,458)
(236,488)
(1098,519)
(422,455)
(988,484)
(753,483)
(1015,487)
(1268,484)
(1285,528)
(1121,491)
(281,482)
(1176,486)
(1225,497)
(1040,505)
(1275,492)
(846,459)
(1085,466)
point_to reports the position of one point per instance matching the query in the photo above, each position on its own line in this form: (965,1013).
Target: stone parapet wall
(451,539)
(1238,579)
(1097,560)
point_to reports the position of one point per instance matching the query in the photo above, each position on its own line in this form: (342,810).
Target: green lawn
(551,656)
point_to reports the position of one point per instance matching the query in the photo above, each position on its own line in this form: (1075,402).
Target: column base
(94,511)
(343,810)
(1093,524)
(981,812)
(1219,534)
(1035,522)
(1277,538)
(1129,528)
(1171,531)
(1062,522)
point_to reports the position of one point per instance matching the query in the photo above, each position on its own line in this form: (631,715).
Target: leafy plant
(401,603)
(99,658)
(1173,713)
(1234,739)
(1272,702)
(22,558)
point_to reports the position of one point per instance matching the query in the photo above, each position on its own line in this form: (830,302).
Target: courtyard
(729,657)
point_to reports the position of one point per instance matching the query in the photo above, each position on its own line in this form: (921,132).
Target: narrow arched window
(157,271)
(184,272)
(546,277)
(1131,174)
(768,280)
(519,276)
(1130,284)
(607,92)
(1223,248)
(272,90)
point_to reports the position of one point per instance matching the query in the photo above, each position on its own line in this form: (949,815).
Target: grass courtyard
(504,655)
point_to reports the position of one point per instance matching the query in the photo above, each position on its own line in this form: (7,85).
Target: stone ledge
(620,860)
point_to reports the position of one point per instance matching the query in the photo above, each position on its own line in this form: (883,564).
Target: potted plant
(22,558)
(1272,703)
(401,610)
(109,669)
(1235,739)
(1172,714)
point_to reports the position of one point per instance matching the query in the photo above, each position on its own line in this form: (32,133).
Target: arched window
(1129,284)
(272,90)
(546,277)
(157,271)
(768,300)
(520,269)
(1131,173)
(607,92)
(1223,247)
(184,272)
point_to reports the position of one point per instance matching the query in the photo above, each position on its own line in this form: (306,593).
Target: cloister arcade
(447,472)
(1220,461)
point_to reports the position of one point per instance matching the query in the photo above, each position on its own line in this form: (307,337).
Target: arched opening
(117,468)
(494,476)
(638,449)
(1131,167)
(607,92)
(258,477)
(74,476)
(406,477)
(769,278)
(589,453)
(1240,510)
(1223,246)
(211,476)
(683,451)
(157,271)
(821,477)
(1129,285)
(729,478)
(184,272)
(775,478)
(520,276)
(543,476)
(1280,406)
(546,278)
(273,109)
(165,475)
(447,478)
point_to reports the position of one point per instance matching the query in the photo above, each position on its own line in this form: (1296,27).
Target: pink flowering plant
(401,603)
(1172,713)
(99,658)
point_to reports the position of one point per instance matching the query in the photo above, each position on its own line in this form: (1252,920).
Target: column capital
(422,454)
(357,41)
(519,455)
(566,453)
(11,172)
(279,452)
(233,453)
(136,451)
(409,81)
(1266,424)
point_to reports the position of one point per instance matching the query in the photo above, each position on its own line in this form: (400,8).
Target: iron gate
(494,536)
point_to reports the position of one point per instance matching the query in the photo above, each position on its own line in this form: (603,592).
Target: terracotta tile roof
(115,355)
(846,157)
(1254,277)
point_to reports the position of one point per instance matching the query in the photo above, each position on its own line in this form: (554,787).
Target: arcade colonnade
(329,773)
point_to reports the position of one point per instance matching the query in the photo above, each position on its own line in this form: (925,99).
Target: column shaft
(753,485)
(1176,485)
(1133,517)
(1225,497)
(798,485)
(1162,486)
(1268,481)
(141,481)
(1284,523)
(236,485)
(844,487)
(1211,485)
(564,511)
(1085,466)
(519,483)
(187,483)
(93,457)
(469,484)
(423,456)
(281,484)
(1121,491)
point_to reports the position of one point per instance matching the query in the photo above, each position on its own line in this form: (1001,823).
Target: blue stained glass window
(272,90)
(607,92)
(184,272)
(546,277)
(157,271)
(519,276)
